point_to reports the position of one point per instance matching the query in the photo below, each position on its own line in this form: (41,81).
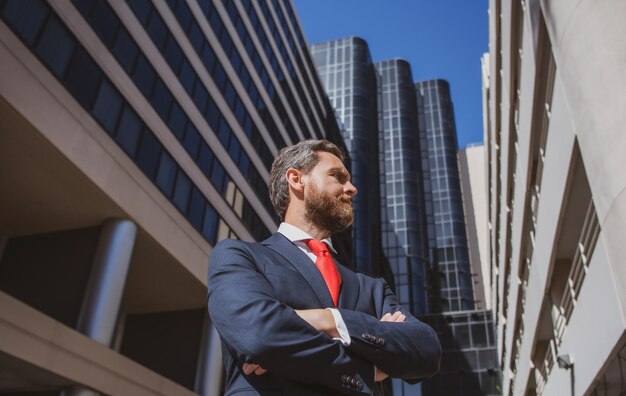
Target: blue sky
(440,38)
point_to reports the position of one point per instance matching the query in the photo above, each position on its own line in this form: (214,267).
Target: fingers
(380,375)
(249,368)
(395,317)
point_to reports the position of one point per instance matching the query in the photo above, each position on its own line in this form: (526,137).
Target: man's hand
(396,317)
(249,368)
(321,319)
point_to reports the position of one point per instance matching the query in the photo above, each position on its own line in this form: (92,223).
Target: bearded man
(292,320)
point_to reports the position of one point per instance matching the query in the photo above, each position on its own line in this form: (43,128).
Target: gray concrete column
(105,288)
(210,366)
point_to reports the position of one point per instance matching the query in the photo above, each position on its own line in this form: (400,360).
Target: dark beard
(327,212)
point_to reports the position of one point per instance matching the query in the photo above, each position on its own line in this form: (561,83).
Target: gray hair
(303,157)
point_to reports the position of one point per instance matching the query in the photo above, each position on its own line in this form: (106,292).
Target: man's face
(328,194)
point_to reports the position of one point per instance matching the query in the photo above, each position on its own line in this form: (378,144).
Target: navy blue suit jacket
(253,290)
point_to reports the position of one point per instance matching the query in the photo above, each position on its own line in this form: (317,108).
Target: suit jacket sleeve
(409,350)
(252,322)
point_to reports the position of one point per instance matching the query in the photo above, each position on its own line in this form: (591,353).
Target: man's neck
(309,228)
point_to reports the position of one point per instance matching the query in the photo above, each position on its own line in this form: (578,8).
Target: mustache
(345,198)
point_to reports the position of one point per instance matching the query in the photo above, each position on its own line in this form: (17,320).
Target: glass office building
(469,361)
(348,75)
(422,221)
(468,365)
(447,220)
(134,136)
(404,235)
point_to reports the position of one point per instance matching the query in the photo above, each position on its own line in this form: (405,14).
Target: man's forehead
(329,160)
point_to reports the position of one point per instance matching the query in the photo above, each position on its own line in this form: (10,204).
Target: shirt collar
(294,234)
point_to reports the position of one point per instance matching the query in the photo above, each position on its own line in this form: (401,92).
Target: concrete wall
(586,119)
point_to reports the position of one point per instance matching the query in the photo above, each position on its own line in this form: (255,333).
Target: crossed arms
(258,328)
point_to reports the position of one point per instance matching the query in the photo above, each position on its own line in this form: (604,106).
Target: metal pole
(105,288)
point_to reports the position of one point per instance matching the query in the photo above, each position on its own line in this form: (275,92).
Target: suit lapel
(349,295)
(301,263)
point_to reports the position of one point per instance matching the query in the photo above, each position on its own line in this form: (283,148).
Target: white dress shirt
(298,237)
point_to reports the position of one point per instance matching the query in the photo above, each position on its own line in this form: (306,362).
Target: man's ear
(294,178)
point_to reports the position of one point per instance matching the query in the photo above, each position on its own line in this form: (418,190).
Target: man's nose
(350,189)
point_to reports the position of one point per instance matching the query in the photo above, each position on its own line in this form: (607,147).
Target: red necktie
(327,267)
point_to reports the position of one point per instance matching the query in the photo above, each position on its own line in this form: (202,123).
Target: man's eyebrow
(343,171)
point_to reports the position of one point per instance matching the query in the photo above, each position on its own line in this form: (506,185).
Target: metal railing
(580,265)
(543,370)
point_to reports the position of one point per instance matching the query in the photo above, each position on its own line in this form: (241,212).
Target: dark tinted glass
(196,37)
(208,57)
(219,76)
(107,106)
(244,164)
(234,150)
(148,155)
(177,121)
(55,47)
(224,133)
(192,140)
(240,112)
(125,50)
(205,159)
(230,94)
(217,176)
(128,131)
(83,77)
(26,18)
(84,6)
(157,30)
(166,174)
(141,9)
(479,335)
(144,76)
(213,114)
(183,14)
(200,97)
(187,76)
(173,54)
(196,208)
(181,192)
(104,22)
(209,228)
(161,99)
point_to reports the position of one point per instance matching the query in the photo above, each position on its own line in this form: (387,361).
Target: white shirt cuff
(342,329)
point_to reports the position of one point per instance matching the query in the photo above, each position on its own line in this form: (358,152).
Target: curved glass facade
(347,72)
(404,236)
(439,155)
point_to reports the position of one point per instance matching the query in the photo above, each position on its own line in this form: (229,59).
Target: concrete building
(554,89)
(472,172)
(134,136)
